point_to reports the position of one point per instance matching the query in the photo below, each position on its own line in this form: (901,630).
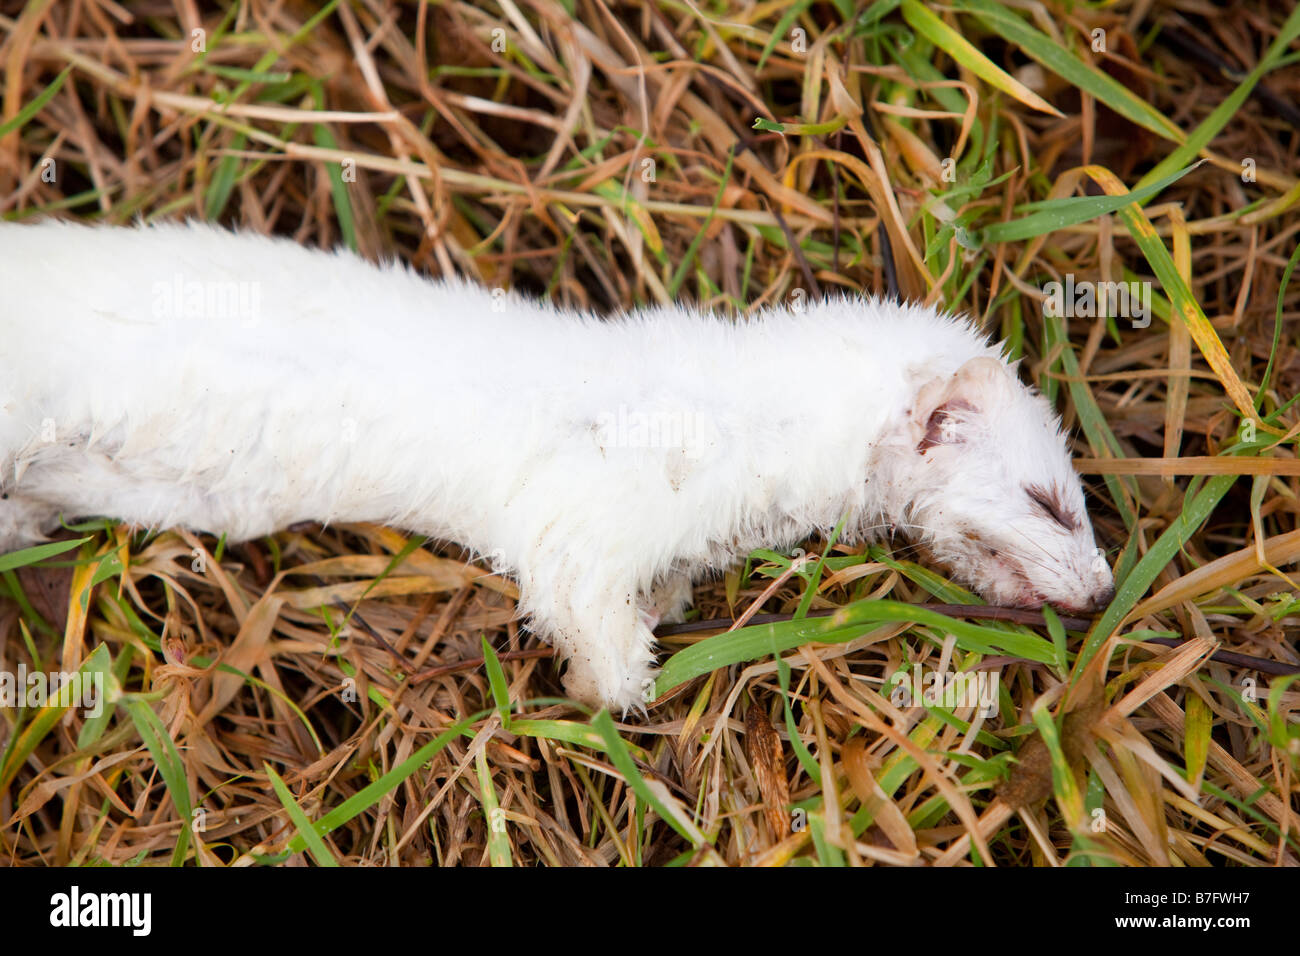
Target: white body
(184,375)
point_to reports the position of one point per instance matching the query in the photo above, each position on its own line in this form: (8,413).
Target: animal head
(987,486)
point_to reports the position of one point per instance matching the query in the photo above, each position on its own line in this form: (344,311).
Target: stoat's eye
(1051,503)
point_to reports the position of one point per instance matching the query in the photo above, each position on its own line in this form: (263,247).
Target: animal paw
(629,688)
(580,684)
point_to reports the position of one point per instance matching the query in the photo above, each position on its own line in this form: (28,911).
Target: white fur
(600,462)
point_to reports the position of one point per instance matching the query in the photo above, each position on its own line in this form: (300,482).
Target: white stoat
(184,375)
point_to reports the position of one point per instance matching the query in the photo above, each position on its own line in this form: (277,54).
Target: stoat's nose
(1101,599)
(1098,600)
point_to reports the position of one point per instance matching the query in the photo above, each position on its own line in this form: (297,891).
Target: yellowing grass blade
(1184,303)
(1196,747)
(1191,465)
(959,48)
(29,738)
(1228,570)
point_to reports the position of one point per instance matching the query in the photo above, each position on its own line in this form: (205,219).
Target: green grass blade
(110,674)
(801,751)
(219,190)
(751,643)
(1057,632)
(20,559)
(1056,214)
(497,681)
(827,853)
(170,766)
(1064,785)
(669,810)
(1186,306)
(241,75)
(568,731)
(338,188)
(1092,420)
(1135,584)
(36,105)
(1084,76)
(782,29)
(1212,125)
(1283,732)
(812,580)
(1277,327)
(679,277)
(315,845)
(498,842)
(368,796)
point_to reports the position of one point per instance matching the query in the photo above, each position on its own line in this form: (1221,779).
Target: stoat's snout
(1073,589)
(993,494)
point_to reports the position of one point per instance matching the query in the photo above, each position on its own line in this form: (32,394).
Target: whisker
(1033,542)
(1026,557)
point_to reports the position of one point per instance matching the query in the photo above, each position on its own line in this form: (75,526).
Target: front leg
(611,659)
(617,668)
(600,632)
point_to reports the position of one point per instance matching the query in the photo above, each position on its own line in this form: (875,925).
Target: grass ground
(352,695)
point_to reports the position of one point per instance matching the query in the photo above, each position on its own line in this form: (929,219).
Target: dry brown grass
(524,167)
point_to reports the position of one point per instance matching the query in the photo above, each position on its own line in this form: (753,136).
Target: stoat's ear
(981,378)
(945,408)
